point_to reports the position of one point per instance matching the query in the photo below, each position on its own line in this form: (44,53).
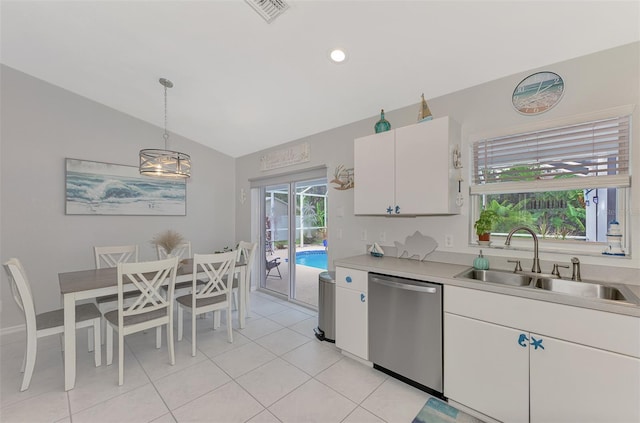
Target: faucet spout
(536,260)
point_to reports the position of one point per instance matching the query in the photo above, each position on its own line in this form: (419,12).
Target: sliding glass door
(295,243)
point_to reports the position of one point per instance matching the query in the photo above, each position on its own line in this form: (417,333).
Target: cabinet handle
(536,343)
(362,297)
(397,209)
(522,340)
(348,279)
(389,210)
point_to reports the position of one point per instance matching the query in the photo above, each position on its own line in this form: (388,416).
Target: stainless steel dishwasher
(405,330)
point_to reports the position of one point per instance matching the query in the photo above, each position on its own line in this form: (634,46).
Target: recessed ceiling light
(338,55)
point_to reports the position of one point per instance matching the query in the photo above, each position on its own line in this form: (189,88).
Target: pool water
(317,259)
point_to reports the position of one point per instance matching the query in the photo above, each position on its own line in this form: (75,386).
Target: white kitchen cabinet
(485,369)
(520,375)
(575,383)
(351,312)
(408,170)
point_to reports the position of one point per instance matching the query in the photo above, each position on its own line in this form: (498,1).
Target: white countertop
(444,273)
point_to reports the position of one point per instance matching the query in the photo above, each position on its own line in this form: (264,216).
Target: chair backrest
(246,253)
(219,269)
(21,291)
(148,277)
(182,251)
(111,256)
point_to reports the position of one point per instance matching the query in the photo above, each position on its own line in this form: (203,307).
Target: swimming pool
(313,258)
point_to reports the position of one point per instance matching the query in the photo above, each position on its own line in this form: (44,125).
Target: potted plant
(485,223)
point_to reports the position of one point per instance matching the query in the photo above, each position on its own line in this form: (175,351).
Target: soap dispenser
(481,262)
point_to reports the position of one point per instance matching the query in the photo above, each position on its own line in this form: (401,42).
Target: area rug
(437,411)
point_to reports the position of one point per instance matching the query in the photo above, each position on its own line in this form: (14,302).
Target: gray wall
(595,82)
(42,125)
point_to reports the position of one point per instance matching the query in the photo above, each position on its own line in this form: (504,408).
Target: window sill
(551,246)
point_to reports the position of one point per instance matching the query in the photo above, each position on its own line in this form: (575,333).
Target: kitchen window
(567,182)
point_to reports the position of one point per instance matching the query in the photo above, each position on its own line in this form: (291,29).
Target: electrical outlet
(363,235)
(383,237)
(448,241)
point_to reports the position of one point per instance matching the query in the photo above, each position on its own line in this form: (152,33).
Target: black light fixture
(155,162)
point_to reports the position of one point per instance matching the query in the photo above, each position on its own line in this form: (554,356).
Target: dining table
(87,284)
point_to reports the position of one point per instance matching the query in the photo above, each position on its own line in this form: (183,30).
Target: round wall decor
(538,93)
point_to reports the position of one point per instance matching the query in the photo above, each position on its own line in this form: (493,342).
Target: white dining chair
(47,323)
(149,309)
(182,251)
(214,295)
(246,253)
(110,256)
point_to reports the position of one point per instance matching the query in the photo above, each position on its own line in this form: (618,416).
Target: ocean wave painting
(110,189)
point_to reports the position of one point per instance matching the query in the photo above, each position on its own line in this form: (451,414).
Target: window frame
(621,183)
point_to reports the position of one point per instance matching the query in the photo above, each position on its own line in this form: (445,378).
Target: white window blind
(585,155)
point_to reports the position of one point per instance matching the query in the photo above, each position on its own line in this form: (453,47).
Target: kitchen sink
(583,289)
(497,276)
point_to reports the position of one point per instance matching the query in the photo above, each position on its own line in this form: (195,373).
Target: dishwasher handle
(406,286)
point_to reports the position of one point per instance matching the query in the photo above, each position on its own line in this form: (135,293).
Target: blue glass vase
(382,125)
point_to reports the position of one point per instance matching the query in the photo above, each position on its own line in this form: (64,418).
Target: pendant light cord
(166,134)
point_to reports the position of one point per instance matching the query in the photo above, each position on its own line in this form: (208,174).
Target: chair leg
(216,319)
(172,353)
(109,345)
(120,358)
(193,332)
(103,323)
(97,350)
(229,326)
(180,322)
(90,338)
(29,361)
(158,337)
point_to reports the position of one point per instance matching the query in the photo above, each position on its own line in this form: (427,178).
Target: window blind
(591,154)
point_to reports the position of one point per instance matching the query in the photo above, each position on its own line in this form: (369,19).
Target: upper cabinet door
(374,167)
(423,183)
(407,171)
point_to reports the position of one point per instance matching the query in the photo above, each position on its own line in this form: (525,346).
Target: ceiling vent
(268,9)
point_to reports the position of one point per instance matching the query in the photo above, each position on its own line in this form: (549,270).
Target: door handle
(522,340)
(405,286)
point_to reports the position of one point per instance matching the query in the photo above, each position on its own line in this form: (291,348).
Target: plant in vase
(168,240)
(484,224)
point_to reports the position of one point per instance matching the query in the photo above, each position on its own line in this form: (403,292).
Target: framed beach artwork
(96,188)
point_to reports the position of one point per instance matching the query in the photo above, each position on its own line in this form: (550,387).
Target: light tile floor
(275,371)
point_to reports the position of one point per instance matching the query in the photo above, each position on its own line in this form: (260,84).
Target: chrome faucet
(576,269)
(536,261)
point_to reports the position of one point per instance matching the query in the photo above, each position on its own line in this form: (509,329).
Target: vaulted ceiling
(243,85)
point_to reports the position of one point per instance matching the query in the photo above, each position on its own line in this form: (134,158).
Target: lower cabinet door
(351,322)
(486,367)
(575,383)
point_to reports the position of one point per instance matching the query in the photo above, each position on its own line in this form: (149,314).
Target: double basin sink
(585,289)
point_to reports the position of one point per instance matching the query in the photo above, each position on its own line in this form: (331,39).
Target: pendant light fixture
(154,162)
